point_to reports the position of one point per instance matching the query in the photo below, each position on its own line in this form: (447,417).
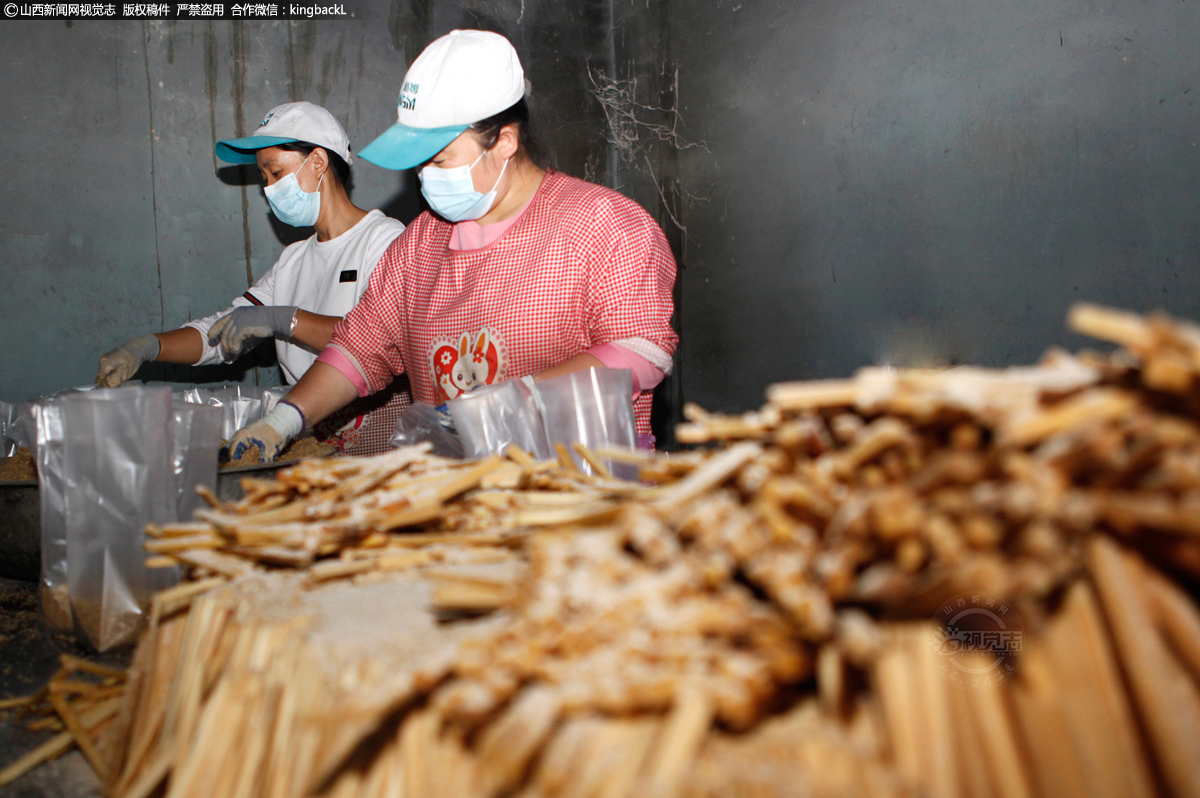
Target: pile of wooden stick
(759,617)
(80,702)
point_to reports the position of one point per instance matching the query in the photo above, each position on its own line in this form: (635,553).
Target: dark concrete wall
(927,181)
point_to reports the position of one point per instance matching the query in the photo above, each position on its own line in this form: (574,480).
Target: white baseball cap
(284,124)
(460,78)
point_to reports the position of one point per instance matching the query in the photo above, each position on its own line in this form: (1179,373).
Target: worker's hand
(240,329)
(123,362)
(269,436)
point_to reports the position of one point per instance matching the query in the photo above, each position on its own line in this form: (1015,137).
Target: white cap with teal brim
(461,78)
(285,124)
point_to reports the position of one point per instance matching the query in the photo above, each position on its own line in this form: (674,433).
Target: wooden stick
(637,457)
(1096,404)
(210,498)
(469,479)
(59,744)
(708,476)
(508,744)
(894,680)
(469,596)
(976,776)
(52,748)
(173,545)
(180,597)
(53,723)
(591,459)
(9,703)
(415,515)
(812,395)
(1127,329)
(1038,700)
(942,775)
(82,738)
(181,529)
(419,539)
(72,664)
(1178,619)
(1167,699)
(218,563)
(152,775)
(1090,696)
(685,730)
(518,455)
(565,460)
(994,726)
(831,680)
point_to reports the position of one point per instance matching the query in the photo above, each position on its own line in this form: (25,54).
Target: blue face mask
(292,204)
(451,192)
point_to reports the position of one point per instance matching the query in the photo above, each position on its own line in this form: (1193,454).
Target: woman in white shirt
(303,155)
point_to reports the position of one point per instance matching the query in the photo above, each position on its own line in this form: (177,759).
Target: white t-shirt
(325,277)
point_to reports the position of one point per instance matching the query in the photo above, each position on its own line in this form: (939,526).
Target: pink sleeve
(334,355)
(631,276)
(614,356)
(370,333)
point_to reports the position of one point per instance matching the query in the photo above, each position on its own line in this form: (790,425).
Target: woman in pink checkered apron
(515,271)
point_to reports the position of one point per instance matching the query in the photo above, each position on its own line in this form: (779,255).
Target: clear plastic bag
(593,407)
(40,422)
(271,397)
(489,419)
(240,405)
(52,588)
(11,434)
(117,454)
(197,436)
(22,430)
(421,422)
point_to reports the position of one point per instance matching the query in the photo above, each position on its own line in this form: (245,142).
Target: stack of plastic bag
(110,462)
(490,419)
(240,405)
(593,407)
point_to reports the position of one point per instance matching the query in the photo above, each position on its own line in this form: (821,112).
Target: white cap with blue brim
(461,78)
(285,124)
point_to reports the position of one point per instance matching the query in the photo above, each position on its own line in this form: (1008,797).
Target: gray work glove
(270,436)
(123,362)
(240,330)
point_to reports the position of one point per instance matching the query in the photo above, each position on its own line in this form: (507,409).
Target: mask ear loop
(502,168)
(501,177)
(319,179)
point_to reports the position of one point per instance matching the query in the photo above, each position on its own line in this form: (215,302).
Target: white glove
(270,436)
(123,362)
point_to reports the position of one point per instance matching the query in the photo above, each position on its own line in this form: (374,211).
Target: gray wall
(902,181)
(117,218)
(927,181)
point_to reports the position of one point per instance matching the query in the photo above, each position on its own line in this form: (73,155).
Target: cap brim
(242,150)
(403,147)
